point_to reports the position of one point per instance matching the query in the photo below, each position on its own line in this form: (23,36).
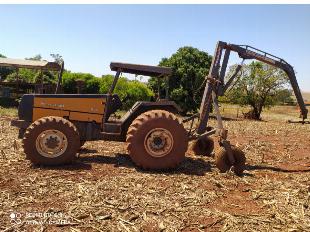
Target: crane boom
(248,52)
(217,72)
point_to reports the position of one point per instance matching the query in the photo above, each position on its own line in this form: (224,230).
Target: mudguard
(141,107)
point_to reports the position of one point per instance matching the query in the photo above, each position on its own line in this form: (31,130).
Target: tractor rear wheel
(157,140)
(51,141)
(203,146)
(223,164)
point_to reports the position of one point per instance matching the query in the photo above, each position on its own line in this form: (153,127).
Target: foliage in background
(57,58)
(259,86)
(69,83)
(284,97)
(128,91)
(32,75)
(186,84)
(137,91)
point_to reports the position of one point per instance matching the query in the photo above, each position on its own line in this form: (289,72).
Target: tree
(36,57)
(258,86)
(128,91)
(57,58)
(137,91)
(33,75)
(186,84)
(24,75)
(284,97)
(70,85)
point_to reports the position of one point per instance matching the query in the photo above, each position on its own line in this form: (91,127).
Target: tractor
(53,127)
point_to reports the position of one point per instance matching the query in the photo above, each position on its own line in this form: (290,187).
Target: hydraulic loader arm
(216,86)
(248,52)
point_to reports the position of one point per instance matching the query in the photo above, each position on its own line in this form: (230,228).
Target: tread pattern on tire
(28,145)
(139,123)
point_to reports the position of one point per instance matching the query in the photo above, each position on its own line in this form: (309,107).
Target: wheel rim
(51,143)
(158,142)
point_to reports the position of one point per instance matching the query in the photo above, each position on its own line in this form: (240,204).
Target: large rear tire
(51,141)
(157,140)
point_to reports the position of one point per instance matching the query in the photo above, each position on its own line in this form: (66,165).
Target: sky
(89,37)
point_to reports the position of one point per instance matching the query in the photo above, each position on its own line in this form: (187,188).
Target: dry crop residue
(104,191)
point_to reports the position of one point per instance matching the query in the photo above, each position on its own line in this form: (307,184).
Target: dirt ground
(104,191)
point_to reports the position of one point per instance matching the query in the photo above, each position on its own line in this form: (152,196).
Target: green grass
(9,112)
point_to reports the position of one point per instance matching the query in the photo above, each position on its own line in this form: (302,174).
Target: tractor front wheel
(51,141)
(157,140)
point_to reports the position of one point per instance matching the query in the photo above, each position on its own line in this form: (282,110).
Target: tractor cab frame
(117,130)
(144,70)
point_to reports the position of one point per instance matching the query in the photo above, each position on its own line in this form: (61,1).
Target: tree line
(259,85)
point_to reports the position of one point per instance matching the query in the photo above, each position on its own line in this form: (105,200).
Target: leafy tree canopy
(57,58)
(128,91)
(258,86)
(32,75)
(186,85)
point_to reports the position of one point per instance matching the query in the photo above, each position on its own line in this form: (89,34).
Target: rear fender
(141,107)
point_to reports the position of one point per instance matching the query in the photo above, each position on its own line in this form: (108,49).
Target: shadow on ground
(275,169)
(189,166)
